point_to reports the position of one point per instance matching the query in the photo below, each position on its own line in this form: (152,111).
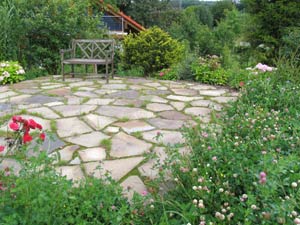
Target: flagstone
(29,91)
(117,168)
(112,130)
(12,164)
(166,124)
(114,86)
(72,100)
(46,87)
(157,92)
(178,105)
(99,101)
(134,126)
(66,154)
(183,98)
(174,115)
(197,111)
(224,99)
(45,112)
(139,87)
(60,91)
(124,145)
(74,110)
(128,94)
(104,92)
(202,103)
(157,107)
(131,185)
(42,99)
(98,122)
(213,93)
(153,98)
(121,112)
(153,84)
(164,136)
(28,106)
(4,89)
(71,126)
(75,161)
(189,92)
(92,154)
(129,102)
(54,104)
(81,83)
(92,139)
(86,94)
(86,89)
(71,172)
(203,87)
(163,88)
(7,94)
(19,98)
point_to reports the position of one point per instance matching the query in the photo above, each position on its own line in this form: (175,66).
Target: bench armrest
(63,51)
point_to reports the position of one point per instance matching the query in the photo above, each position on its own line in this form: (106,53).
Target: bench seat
(87,61)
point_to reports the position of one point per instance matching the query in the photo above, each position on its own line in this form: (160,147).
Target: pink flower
(14,126)
(161,74)
(2,148)
(204,134)
(39,126)
(214,158)
(262,178)
(32,124)
(42,136)
(17,119)
(144,193)
(27,138)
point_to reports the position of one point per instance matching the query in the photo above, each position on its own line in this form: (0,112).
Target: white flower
(294,185)
(297,221)
(20,71)
(253,207)
(6,74)
(3,64)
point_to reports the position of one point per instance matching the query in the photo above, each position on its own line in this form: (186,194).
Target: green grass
(106,143)
(137,134)
(84,100)
(53,126)
(124,119)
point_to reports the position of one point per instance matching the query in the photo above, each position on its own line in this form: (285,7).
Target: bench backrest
(93,48)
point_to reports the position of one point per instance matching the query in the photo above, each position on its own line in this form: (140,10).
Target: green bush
(152,49)
(168,74)
(11,72)
(209,71)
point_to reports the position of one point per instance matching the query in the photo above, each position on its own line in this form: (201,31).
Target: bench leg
(106,72)
(86,69)
(112,70)
(62,72)
(72,68)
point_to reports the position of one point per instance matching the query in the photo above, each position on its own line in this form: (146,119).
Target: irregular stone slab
(52,86)
(99,101)
(166,124)
(73,173)
(178,105)
(158,107)
(203,87)
(197,111)
(213,93)
(112,130)
(5,107)
(134,126)
(60,91)
(30,91)
(88,140)
(162,88)
(164,136)
(131,185)
(66,154)
(13,165)
(98,122)
(104,92)
(45,112)
(224,99)
(74,100)
(75,161)
(125,145)
(4,88)
(85,94)
(157,92)
(54,104)
(42,99)
(173,115)
(189,92)
(117,168)
(71,126)
(153,98)
(114,86)
(86,89)
(129,102)
(138,87)
(152,84)
(130,94)
(81,84)
(7,94)
(74,110)
(19,98)
(121,112)
(92,154)
(151,168)
(183,98)
(202,103)
(138,80)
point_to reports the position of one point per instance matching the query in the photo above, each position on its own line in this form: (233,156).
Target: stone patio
(113,125)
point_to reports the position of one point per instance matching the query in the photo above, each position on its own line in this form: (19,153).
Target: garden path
(112,125)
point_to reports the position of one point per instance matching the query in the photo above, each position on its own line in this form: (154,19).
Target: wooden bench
(89,52)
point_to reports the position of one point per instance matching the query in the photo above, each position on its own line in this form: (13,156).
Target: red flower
(39,126)
(17,119)
(242,83)
(32,124)
(42,136)
(27,138)
(14,126)
(2,148)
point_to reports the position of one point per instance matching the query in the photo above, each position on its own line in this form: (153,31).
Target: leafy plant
(168,74)
(11,72)
(152,49)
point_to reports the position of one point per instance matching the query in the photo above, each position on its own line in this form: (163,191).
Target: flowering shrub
(11,72)
(208,70)
(168,74)
(246,170)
